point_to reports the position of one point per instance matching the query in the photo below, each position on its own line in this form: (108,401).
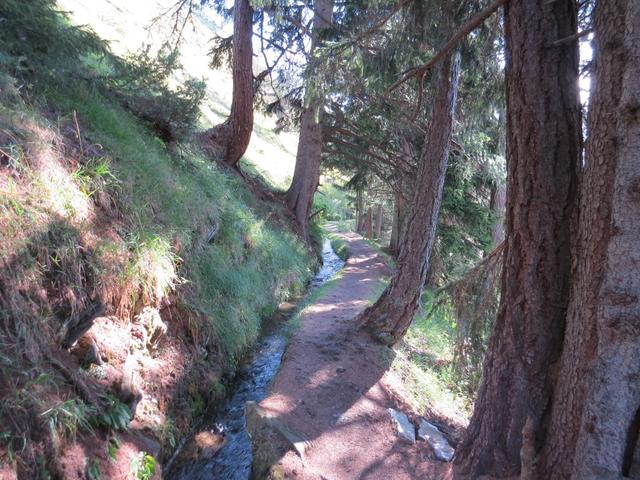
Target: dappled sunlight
(356,259)
(331,389)
(323,307)
(51,173)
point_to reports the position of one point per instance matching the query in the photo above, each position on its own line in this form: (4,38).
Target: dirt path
(333,389)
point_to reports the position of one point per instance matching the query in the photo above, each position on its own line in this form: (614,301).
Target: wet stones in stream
(204,445)
(250,440)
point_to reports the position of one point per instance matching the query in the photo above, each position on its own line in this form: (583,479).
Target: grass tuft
(339,246)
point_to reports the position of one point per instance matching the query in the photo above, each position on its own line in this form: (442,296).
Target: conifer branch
(465,30)
(374,28)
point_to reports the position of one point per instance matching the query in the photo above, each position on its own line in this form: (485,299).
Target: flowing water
(233,460)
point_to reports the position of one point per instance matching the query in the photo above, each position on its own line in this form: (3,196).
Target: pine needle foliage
(37,42)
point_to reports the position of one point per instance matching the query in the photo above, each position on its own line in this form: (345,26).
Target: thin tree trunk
(396,228)
(596,410)
(233,136)
(362,225)
(543,140)
(369,223)
(359,210)
(389,318)
(379,221)
(306,175)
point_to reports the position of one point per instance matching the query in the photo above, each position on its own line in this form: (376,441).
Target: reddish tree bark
(497,204)
(379,221)
(233,135)
(306,175)
(398,221)
(369,223)
(359,210)
(543,140)
(389,318)
(596,410)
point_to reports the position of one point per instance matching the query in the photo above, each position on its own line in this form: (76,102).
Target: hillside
(134,275)
(131,26)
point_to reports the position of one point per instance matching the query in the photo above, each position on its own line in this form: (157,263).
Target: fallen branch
(465,30)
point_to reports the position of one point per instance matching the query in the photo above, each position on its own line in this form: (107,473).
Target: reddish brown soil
(334,389)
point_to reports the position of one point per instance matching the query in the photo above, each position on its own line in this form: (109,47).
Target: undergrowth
(424,360)
(339,246)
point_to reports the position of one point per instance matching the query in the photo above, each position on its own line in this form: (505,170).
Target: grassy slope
(124,224)
(246,267)
(114,217)
(131,26)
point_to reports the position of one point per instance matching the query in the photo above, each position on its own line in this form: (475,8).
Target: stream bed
(233,460)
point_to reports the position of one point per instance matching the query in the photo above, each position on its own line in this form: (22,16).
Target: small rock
(341,370)
(406,430)
(208,443)
(436,441)
(154,328)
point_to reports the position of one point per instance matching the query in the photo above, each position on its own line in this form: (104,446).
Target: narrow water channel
(233,460)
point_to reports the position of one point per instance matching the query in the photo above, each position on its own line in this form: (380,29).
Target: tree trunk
(306,175)
(543,140)
(233,136)
(596,410)
(359,210)
(497,204)
(396,227)
(362,224)
(389,318)
(369,223)
(498,201)
(379,221)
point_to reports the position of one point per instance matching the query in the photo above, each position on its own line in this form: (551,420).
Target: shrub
(141,84)
(38,42)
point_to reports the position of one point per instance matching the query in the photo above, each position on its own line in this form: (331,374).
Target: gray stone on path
(406,430)
(436,440)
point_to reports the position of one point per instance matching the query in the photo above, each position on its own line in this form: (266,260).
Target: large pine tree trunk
(543,139)
(497,205)
(232,137)
(389,318)
(306,175)
(595,414)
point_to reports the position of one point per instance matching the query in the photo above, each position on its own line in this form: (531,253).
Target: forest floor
(335,385)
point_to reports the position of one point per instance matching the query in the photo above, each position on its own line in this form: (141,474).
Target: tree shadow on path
(330,398)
